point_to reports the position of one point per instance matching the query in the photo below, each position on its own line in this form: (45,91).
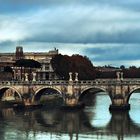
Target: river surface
(95,122)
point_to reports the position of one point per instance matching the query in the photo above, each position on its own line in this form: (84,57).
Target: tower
(19,53)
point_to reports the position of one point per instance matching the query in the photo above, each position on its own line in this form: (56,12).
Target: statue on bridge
(76,76)
(119,75)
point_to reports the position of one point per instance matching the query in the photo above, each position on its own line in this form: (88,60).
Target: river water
(95,122)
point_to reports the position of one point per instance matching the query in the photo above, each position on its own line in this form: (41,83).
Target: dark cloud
(38,23)
(115,52)
(83,21)
(70,35)
(22,6)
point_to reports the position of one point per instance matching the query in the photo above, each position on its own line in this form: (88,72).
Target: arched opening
(132,94)
(88,95)
(134,100)
(9,96)
(97,102)
(49,96)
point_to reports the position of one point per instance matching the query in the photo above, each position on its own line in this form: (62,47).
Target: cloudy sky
(107,31)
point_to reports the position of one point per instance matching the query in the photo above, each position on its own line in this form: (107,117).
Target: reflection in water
(100,110)
(135,107)
(94,122)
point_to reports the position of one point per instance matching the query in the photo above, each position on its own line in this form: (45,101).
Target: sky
(107,31)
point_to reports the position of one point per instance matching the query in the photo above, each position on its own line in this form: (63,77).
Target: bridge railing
(48,82)
(109,81)
(80,82)
(96,82)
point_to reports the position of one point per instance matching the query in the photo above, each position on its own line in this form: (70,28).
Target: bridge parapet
(34,82)
(110,82)
(82,82)
(97,82)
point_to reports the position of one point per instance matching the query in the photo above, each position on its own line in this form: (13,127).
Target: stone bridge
(119,90)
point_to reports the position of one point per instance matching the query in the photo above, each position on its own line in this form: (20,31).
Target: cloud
(70,24)
(106,31)
(114,54)
(53,3)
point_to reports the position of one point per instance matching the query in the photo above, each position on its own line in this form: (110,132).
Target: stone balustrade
(81,82)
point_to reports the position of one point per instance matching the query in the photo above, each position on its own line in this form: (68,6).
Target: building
(46,71)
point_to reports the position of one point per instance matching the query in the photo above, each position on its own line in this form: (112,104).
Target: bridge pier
(71,101)
(72,94)
(71,97)
(119,107)
(119,101)
(119,94)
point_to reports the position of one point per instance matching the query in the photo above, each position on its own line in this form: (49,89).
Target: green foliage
(8,69)
(122,67)
(63,64)
(27,63)
(60,65)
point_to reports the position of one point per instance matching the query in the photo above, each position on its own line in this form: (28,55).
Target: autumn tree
(63,64)
(131,72)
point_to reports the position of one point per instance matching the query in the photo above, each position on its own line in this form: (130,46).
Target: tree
(63,64)
(83,66)
(131,72)
(122,67)
(60,65)
(27,63)
(8,69)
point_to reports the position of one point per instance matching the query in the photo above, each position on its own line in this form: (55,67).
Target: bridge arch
(95,89)
(100,89)
(40,91)
(4,88)
(131,92)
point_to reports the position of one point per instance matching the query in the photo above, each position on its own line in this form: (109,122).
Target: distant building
(44,73)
